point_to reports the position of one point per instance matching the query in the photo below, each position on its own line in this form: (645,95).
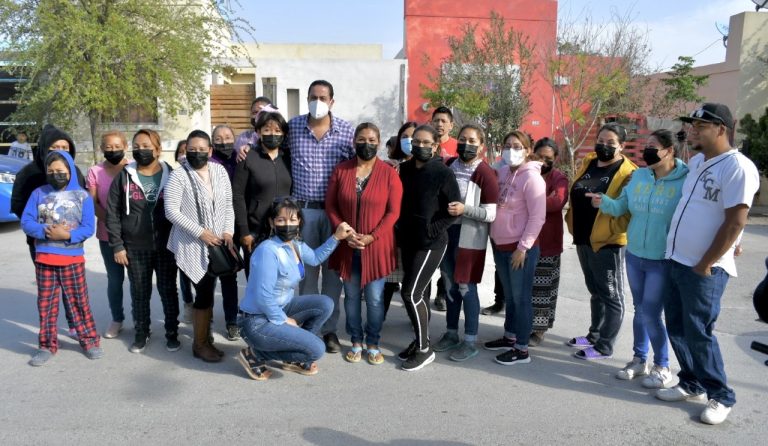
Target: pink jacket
(522,206)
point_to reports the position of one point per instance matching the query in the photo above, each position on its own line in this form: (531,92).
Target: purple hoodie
(522,206)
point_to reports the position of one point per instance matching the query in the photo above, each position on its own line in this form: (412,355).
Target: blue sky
(676,27)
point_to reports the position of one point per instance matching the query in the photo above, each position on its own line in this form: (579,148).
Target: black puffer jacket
(32,176)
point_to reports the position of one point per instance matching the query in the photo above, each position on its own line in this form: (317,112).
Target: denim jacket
(275,275)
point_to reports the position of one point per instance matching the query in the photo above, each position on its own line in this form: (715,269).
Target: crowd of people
(315,211)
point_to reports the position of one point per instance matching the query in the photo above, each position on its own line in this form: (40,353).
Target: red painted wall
(428,23)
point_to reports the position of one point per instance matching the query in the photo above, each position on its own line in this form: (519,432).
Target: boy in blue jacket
(59,216)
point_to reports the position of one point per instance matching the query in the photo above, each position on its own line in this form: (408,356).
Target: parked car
(9,166)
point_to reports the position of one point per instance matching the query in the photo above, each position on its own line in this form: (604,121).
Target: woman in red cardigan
(365,192)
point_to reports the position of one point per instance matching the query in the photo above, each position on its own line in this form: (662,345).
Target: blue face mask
(405,146)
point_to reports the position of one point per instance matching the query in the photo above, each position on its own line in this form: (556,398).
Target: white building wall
(364,90)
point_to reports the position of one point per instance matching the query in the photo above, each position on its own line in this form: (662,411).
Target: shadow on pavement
(322,436)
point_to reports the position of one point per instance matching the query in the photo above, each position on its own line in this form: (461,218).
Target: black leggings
(418,267)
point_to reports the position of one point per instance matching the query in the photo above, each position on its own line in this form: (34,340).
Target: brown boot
(209,337)
(200,346)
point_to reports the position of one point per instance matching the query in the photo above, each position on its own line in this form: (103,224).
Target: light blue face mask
(405,146)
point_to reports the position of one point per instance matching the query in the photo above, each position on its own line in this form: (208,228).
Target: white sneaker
(634,368)
(113,330)
(659,378)
(677,393)
(715,413)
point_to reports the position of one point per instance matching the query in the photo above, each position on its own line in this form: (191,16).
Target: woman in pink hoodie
(520,215)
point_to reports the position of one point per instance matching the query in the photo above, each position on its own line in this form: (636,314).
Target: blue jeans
(458,293)
(691,306)
(271,342)
(518,294)
(115,278)
(648,280)
(374,305)
(185,285)
(316,230)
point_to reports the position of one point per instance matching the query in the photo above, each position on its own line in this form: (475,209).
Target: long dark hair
(288,203)
(397,152)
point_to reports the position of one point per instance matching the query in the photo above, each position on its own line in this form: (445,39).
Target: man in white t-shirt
(711,215)
(20,148)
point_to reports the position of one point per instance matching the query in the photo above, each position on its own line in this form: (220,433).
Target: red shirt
(448,148)
(57,259)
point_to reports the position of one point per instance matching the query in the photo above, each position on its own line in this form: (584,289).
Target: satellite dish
(723,29)
(760,4)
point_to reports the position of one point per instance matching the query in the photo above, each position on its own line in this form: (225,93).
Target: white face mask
(513,158)
(318,109)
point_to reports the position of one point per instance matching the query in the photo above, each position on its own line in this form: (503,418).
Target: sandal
(375,357)
(307,369)
(255,369)
(354,355)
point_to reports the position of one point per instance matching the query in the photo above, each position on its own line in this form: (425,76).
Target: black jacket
(32,176)
(128,223)
(257,182)
(424,218)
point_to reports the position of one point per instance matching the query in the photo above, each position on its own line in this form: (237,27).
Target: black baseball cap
(711,112)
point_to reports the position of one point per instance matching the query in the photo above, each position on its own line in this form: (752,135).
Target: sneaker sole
(699,397)
(516,361)
(426,362)
(494,349)
(139,350)
(453,347)
(583,358)
(173,349)
(463,358)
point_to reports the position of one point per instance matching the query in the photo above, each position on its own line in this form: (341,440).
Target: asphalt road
(160,397)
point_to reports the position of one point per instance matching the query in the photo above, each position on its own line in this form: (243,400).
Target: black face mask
(271,142)
(467,152)
(114,157)
(287,232)
(197,159)
(605,153)
(422,154)
(366,151)
(651,156)
(144,157)
(225,150)
(547,167)
(58,180)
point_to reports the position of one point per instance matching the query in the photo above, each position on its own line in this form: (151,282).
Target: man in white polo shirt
(711,214)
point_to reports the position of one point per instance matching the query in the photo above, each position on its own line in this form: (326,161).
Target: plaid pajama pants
(141,264)
(68,283)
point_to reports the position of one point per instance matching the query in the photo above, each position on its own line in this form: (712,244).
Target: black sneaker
(172,343)
(502,343)
(418,360)
(440,303)
(408,352)
(513,356)
(140,343)
(493,309)
(332,344)
(233,332)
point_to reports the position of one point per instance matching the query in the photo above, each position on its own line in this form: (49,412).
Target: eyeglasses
(422,143)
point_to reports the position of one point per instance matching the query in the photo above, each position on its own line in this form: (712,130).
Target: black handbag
(222,261)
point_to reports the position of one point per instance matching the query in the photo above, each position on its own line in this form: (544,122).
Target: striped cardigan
(479,212)
(181,210)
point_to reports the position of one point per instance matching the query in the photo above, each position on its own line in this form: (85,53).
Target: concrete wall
(312,51)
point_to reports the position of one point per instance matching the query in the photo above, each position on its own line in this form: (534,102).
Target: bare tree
(598,68)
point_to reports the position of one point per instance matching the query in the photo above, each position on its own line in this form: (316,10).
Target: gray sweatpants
(604,277)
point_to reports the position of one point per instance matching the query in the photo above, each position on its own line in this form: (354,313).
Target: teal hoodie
(651,202)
